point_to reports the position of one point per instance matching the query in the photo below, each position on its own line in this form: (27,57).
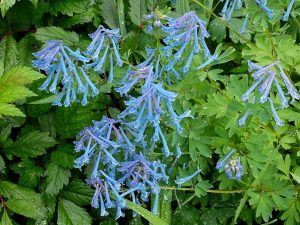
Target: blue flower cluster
(115,146)
(113,179)
(231,5)
(232,166)
(186,33)
(67,69)
(265,77)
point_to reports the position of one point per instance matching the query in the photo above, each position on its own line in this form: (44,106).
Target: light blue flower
(183,180)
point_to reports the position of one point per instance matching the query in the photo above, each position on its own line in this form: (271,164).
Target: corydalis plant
(265,78)
(231,165)
(188,33)
(106,137)
(143,176)
(104,45)
(63,66)
(148,109)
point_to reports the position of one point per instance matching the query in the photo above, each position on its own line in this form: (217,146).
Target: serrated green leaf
(56,178)
(5,219)
(182,6)
(28,196)
(10,110)
(32,144)
(19,75)
(81,18)
(26,47)
(71,214)
(69,7)
(138,9)
(296,178)
(45,34)
(145,213)
(5,5)
(78,192)
(8,54)
(202,187)
(64,156)
(24,207)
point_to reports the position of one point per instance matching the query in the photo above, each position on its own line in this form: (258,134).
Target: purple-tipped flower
(104,45)
(288,11)
(183,180)
(231,165)
(62,67)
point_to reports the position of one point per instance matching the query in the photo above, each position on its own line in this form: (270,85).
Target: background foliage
(38,182)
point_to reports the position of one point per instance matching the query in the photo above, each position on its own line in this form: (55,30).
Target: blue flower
(231,166)
(275,115)
(266,77)
(140,175)
(262,4)
(288,11)
(229,7)
(183,180)
(61,64)
(187,32)
(104,45)
(105,136)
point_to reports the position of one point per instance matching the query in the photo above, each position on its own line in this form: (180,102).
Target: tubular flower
(107,137)
(61,64)
(140,175)
(263,5)
(288,11)
(104,45)
(229,7)
(183,180)
(187,32)
(266,77)
(231,166)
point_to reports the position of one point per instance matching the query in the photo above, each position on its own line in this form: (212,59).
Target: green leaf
(5,219)
(34,2)
(110,13)
(145,213)
(8,54)
(26,47)
(24,207)
(296,178)
(71,214)
(10,110)
(186,215)
(56,178)
(19,198)
(263,204)
(69,7)
(182,6)
(80,18)
(45,34)
(19,75)
(5,5)
(64,156)
(138,9)
(202,187)
(32,144)
(121,17)
(217,30)
(78,192)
